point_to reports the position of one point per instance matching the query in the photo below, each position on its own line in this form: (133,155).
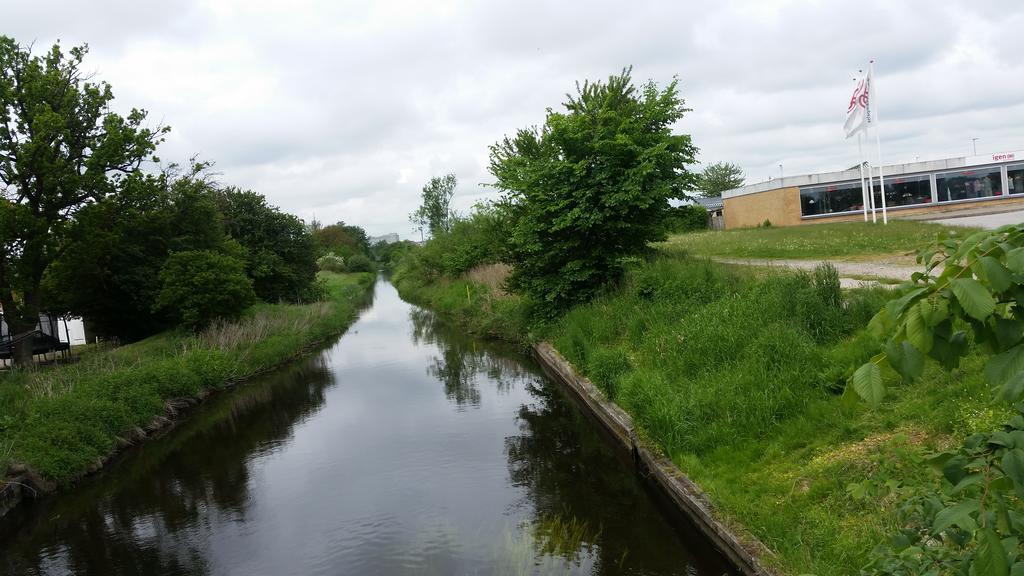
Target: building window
(831,199)
(1015,178)
(905,191)
(980,183)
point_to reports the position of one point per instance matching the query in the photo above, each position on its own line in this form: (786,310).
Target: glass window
(980,183)
(1015,178)
(831,199)
(905,191)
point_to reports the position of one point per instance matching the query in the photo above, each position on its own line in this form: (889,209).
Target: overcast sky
(343,111)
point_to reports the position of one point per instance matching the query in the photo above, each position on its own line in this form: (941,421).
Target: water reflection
(408,448)
(151,513)
(463,361)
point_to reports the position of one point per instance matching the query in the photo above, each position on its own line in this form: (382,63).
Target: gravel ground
(852,274)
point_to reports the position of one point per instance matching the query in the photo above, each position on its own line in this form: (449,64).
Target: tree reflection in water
(463,360)
(152,512)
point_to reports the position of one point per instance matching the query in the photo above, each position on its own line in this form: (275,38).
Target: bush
(689,218)
(200,286)
(331,262)
(359,263)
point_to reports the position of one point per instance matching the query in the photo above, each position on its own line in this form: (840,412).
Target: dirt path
(852,274)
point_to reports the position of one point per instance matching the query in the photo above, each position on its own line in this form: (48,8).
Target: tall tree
(280,254)
(117,246)
(61,148)
(591,186)
(719,177)
(435,213)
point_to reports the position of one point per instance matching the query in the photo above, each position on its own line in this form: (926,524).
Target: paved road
(986,220)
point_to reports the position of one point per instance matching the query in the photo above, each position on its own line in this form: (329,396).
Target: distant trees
(61,149)
(435,212)
(719,177)
(591,186)
(341,239)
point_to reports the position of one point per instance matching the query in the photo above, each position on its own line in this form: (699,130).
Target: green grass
(840,240)
(472,306)
(59,420)
(736,375)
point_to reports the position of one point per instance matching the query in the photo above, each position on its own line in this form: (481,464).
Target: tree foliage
(61,148)
(341,239)
(969,291)
(719,177)
(280,254)
(117,246)
(435,213)
(199,286)
(591,186)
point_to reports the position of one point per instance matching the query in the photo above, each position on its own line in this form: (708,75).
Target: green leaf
(1017,570)
(957,515)
(973,297)
(867,383)
(1008,332)
(997,275)
(1015,260)
(1006,365)
(880,324)
(967,482)
(905,359)
(934,311)
(896,307)
(990,558)
(1013,467)
(919,334)
(1013,389)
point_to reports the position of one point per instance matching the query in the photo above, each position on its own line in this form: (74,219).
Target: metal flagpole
(878,137)
(863,190)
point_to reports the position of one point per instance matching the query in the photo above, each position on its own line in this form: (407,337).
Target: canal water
(406,448)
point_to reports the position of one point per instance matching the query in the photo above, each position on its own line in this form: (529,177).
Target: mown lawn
(59,420)
(841,240)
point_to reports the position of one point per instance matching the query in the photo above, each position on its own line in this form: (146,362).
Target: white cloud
(343,110)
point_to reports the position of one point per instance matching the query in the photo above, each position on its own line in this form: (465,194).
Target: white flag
(858,113)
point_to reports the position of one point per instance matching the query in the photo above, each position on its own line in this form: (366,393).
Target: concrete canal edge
(681,492)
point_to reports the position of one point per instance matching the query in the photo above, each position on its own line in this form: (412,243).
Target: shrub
(359,263)
(688,218)
(331,262)
(200,286)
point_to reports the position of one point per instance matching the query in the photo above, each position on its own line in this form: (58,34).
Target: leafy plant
(969,291)
(591,187)
(201,286)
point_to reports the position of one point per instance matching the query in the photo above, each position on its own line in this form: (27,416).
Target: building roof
(892,170)
(710,204)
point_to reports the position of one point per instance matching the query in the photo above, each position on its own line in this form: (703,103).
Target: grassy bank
(736,375)
(61,420)
(475,302)
(841,240)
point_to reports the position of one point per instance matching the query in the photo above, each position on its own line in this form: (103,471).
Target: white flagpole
(878,138)
(863,190)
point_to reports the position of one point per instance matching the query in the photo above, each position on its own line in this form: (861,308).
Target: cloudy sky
(343,110)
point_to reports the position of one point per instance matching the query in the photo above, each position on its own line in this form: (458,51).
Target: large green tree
(280,254)
(61,148)
(118,245)
(719,177)
(435,212)
(591,186)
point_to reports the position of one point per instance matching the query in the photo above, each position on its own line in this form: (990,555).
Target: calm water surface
(406,448)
